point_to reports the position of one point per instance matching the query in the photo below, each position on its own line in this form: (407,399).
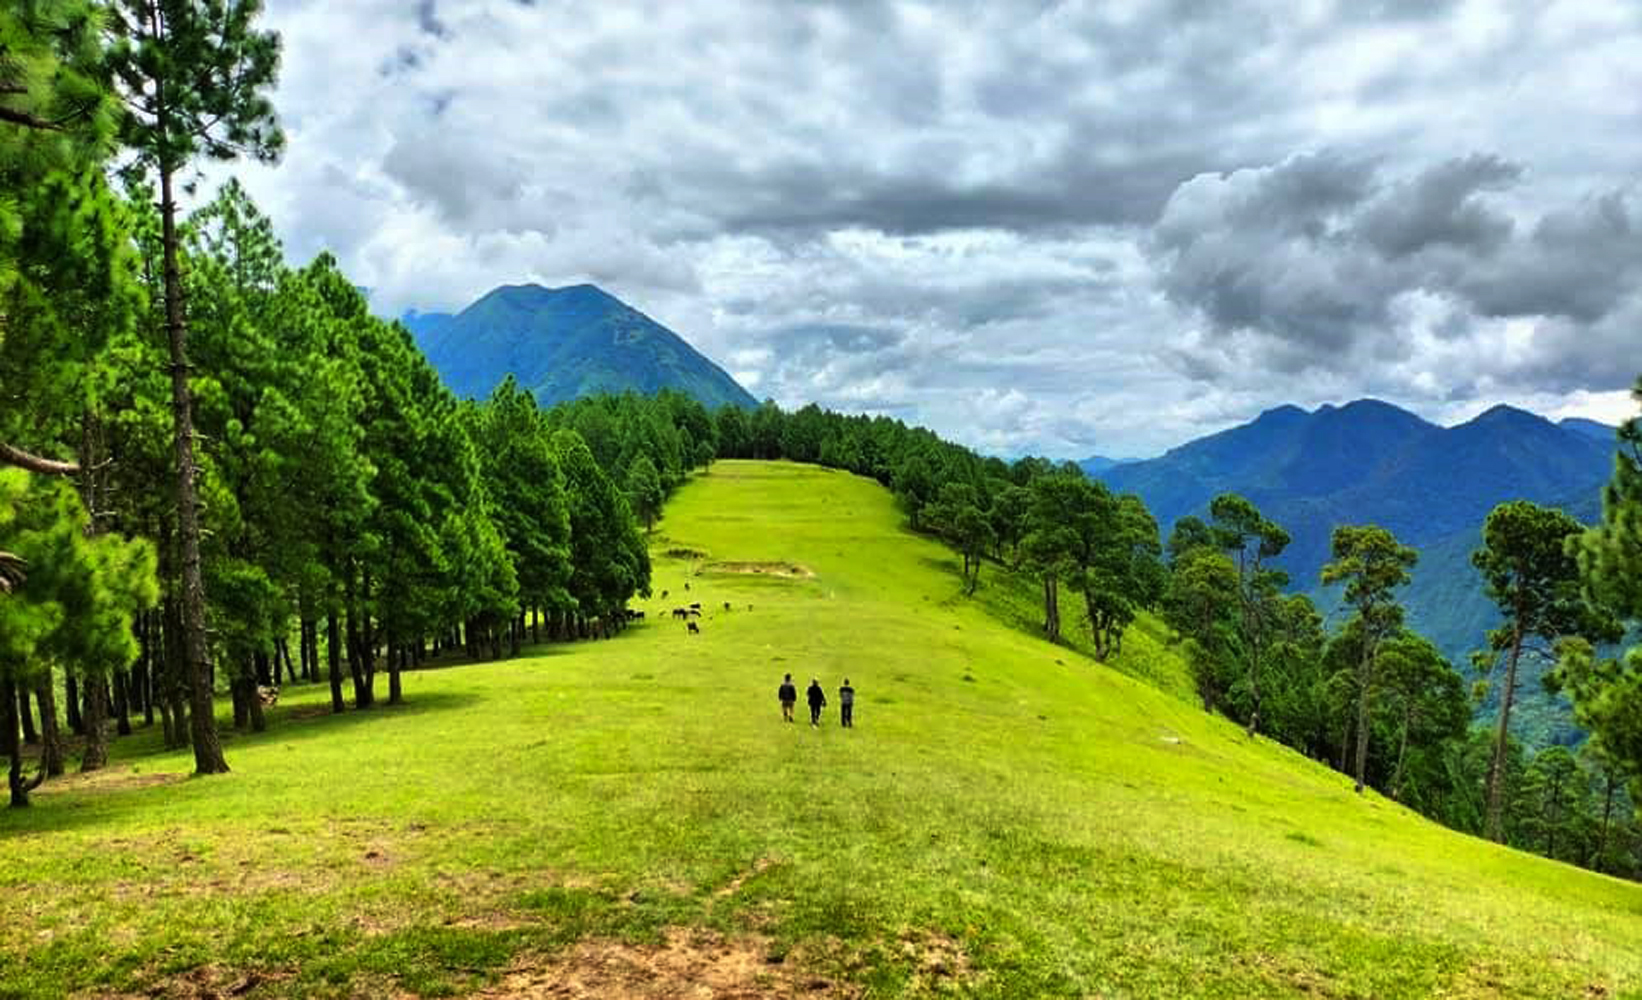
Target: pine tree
(1372,564)
(1531,574)
(192,76)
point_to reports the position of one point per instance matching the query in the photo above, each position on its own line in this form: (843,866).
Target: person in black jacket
(788,695)
(818,701)
(846,705)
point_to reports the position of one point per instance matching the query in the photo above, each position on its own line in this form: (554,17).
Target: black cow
(726,605)
(680,613)
(696,606)
(664,595)
(686,586)
(694,612)
(693,627)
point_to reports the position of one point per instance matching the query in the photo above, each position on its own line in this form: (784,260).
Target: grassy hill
(629,817)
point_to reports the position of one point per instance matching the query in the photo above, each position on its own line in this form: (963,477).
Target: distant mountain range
(1094,465)
(1371,462)
(561,343)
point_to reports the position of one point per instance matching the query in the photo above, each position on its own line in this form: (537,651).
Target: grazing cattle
(634,616)
(687,586)
(664,595)
(693,627)
(696,606)
(681,613)
(269,696)
(695,612)
(726,605)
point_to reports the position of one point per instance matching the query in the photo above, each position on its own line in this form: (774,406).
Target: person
(818,701)
(788,695)
(846,705)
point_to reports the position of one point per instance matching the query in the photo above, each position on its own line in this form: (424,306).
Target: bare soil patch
(109,779)
(759,867)
(687,965)
(784,570)
(937,958)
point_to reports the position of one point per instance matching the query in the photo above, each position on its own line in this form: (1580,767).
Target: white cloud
(947,212)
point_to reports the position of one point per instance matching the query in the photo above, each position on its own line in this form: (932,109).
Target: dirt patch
(110,779)
(685,966)
(784,570)
(936,959)
(759,867)
(208,982)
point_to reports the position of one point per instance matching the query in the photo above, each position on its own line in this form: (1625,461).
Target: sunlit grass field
(1008,819)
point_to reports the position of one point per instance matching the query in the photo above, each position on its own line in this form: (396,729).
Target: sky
(1057,228)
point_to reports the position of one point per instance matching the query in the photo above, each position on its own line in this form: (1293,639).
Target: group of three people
(788,694)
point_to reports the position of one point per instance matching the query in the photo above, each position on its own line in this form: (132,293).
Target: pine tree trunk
(52,751)
(208,758)
(236,695)
(1365,679)
(176,677)
(26,715)
(253,704)
(151,665)
(122,706)
(95,755)
(1496,761)
(367,640)
(12,747)
(1607,815)
(1051,608)
(71,704)
(333,653)
(1402,752)
(356,668)
(395,655)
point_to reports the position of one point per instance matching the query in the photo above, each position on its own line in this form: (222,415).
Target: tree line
(208,457)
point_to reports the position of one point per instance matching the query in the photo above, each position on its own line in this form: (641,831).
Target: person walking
(846,705)
(818,701)
(788,694)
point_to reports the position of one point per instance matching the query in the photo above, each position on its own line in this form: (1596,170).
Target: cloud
(1045,226)
(1322,263)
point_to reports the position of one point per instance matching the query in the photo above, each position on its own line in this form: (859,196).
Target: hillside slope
(1369,462)
(561,343)
(1008,819)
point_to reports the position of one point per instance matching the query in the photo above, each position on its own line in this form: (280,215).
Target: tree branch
(11,572)
(26,120)
(34,463)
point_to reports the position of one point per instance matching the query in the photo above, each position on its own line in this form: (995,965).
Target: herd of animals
(688,614)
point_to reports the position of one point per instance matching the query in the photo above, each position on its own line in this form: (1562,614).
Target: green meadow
(632,818)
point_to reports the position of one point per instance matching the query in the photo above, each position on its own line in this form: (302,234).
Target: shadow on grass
(72,803)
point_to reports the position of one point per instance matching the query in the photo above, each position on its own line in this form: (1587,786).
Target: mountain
(1096,464)
(561,343)
(1590,428)
(1371,462)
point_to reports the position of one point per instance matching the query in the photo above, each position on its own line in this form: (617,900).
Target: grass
(1008,819)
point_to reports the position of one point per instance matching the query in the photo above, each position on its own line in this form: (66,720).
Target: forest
(208,457)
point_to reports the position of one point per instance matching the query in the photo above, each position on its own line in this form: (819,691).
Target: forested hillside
(561,343)
(1370,462)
